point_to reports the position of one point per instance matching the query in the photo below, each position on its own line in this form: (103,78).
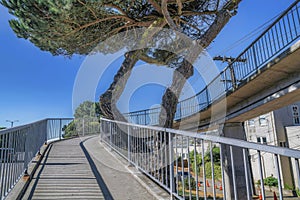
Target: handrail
(277,37)
(163,154)
(19,145)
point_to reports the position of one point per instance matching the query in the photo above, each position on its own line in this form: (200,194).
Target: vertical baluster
(189,170)
(204,172)
(171,164)
(182,168)
(165,165)
(222,172)
(246,174)
(279,176)
(196,168)
(261,175)
(212,170)
(233,173)
(176,157)
(2,163)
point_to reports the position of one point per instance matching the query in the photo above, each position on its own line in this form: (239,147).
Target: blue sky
(36,85)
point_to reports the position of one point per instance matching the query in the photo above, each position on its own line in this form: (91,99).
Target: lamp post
(12,122)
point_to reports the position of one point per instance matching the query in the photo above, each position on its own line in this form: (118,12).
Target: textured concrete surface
(82,168)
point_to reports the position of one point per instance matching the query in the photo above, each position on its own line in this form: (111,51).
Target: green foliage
(86,120)
(67,27)
(69,130)
(271,181)
(288,187)
(1,128)
(217,171)
(192,181)
(208,170)
(216,155)
(87,109)
(298,192)
(198,161)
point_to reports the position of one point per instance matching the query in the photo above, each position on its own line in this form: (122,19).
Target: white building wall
(293,134)
(261,130)
(275,128)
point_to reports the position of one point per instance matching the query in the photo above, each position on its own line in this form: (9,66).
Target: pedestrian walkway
(71,169)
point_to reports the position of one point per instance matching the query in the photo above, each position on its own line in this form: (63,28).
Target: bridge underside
(274,86)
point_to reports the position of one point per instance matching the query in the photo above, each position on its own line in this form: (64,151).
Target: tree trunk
(109,99)
(170,98)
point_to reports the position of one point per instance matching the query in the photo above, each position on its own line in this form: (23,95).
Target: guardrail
(274,40)
(19,145)
(193,165)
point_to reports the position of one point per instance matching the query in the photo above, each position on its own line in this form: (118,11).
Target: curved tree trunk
(109,99)
(170,97)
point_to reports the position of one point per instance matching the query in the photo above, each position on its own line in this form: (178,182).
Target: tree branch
(84,4)
(179,4)
(220,21)
(98,21)
(117,8)
(192,13)
(164,7)
(156,6)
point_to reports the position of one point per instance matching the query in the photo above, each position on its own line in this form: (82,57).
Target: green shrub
(288,187)
(193,183)
(271,181)
(298,192)
(217,171)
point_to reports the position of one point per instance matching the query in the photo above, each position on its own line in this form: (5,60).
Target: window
(295,114)
(251,122)
(252,129)
(258,140)
(262,140)
(282,144)
(263,121)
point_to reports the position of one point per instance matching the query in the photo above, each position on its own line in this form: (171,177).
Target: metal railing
(197,165)
(19,145)
(274,40)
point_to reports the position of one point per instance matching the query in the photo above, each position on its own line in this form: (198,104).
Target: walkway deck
(70,171)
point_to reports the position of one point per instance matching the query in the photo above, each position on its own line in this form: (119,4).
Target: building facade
(280,128)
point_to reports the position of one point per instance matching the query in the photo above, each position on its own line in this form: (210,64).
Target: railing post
(207,95)
(60,129)
(297,172)
(128,146)
(83,126)
(110,133)
(255,58)
(171,164)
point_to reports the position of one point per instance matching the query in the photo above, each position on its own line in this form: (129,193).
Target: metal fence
(274,40)
(198,165)
(19,145)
